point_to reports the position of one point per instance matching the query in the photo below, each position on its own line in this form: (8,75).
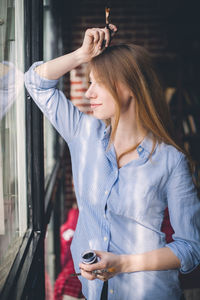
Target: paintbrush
(107,14)
(109,270)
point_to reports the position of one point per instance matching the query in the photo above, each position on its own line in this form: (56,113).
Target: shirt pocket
(134,201)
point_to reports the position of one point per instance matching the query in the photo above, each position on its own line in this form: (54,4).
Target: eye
(89,83)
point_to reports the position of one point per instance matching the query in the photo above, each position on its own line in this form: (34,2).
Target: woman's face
(101,101)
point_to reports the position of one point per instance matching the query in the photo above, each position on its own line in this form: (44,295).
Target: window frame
(26,277)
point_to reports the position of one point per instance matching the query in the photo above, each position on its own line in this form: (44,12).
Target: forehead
(93,76)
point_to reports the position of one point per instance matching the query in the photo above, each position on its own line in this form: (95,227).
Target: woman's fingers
(95,35)
(98,37)
(107,37)
(101,277)
(95,40)
(113,29)
(101,38)
(104,275)
(91,275)
(92,267)
(88,275)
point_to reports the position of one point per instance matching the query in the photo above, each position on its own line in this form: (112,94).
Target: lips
(94,105)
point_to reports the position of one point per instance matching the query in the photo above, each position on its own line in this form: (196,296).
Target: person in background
(67,287)
(127,169)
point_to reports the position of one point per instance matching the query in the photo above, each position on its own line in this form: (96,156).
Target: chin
(97,117)
(101,116)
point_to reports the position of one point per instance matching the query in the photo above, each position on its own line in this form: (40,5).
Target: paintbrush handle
(75,274)
(109,270)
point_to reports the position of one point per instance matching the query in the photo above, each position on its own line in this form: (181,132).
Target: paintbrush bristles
(107,13)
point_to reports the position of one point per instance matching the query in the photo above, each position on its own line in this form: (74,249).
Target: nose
(90,93)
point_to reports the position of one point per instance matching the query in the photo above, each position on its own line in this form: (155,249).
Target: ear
(124,92)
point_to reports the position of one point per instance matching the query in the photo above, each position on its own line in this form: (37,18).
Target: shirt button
(104,216)
(106,192)
(105,238)
(140,149)
(111,291)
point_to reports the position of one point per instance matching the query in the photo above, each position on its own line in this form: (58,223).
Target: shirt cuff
(32,77)
(186,255)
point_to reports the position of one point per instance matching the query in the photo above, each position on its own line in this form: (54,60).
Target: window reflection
(13,208)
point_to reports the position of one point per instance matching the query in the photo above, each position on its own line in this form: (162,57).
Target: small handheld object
(89,257)
(107,14)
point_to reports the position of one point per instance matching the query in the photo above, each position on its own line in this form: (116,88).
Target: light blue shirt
(121,210)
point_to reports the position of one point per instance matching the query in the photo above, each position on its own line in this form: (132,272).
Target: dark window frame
(26,279)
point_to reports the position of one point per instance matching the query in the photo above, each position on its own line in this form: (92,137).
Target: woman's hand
(108,266)
(112,264)
(93,44)
(95,40)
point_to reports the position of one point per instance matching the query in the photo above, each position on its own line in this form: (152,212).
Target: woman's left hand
(108,266)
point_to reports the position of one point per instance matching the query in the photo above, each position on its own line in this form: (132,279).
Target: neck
(128,131)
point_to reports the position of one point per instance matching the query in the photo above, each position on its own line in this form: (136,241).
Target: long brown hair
(131,65)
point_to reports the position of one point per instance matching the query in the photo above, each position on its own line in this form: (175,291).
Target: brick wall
(170,30)
(141,22)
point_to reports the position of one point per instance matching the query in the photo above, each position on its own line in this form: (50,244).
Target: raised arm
(41,81)
(92,46)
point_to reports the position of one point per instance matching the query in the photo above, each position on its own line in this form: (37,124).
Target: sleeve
(63,115)
(184,211)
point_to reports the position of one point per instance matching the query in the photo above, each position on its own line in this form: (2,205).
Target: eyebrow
(91,79)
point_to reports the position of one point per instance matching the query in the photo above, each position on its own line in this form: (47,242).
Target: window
(13,207)
(50,135)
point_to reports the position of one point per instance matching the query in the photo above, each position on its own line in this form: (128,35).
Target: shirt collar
(106,132)
(147,144)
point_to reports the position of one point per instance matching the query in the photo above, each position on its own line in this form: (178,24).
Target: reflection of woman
(127,169)
(11,83)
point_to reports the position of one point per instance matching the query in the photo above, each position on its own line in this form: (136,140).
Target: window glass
(13,207)
(53,47)
(49,131)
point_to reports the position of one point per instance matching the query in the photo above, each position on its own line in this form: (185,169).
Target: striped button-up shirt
(121,210)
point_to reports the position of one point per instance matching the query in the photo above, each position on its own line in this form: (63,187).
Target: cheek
(110,106)
(109,101)
(107,111)
(113,105)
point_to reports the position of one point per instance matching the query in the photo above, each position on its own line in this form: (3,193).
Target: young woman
(127,169)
